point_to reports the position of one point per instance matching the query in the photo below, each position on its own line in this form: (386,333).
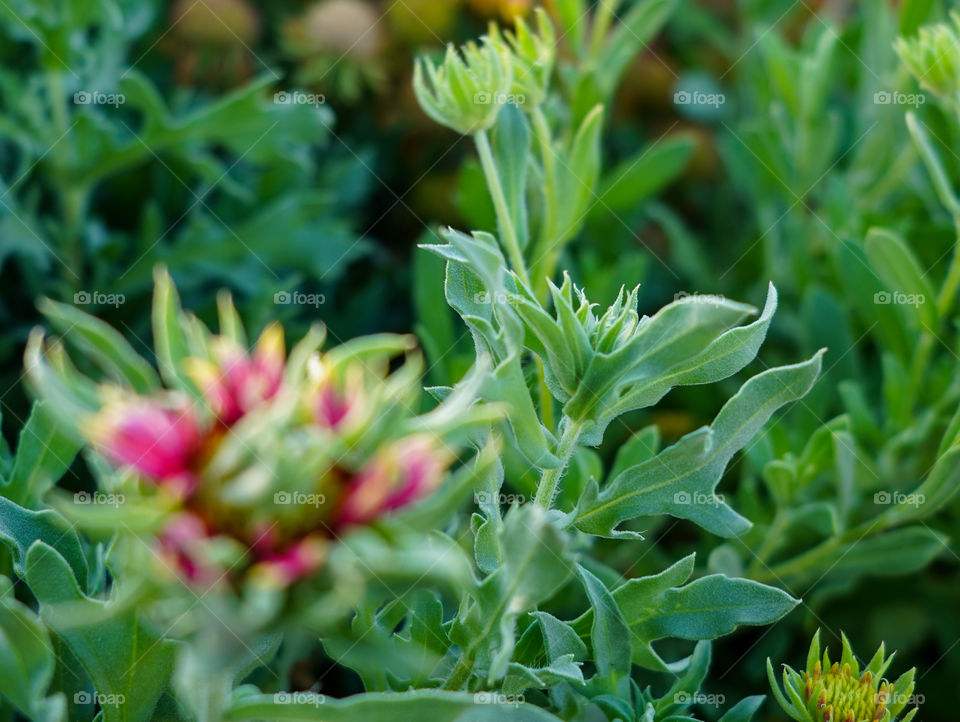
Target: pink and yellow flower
(159,440)
(396,477)
(235,381)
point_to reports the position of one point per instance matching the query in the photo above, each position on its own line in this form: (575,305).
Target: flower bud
(933,56)
(465,91)
(236,382)
(158,440)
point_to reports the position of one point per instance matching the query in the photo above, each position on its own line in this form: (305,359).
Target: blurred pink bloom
(180,545)
(411,469)
(297,561)
(236,382)
(158,441)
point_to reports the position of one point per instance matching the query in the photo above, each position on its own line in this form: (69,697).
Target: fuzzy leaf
(681,480)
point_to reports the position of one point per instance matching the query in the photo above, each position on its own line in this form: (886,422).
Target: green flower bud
(533,55)
(465,92)
(933,56)
(841,691)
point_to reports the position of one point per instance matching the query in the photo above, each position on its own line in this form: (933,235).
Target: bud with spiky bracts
(465,91)
(933,57)
(841,691)
(532,54)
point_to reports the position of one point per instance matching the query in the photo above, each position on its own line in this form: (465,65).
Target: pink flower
(151,437)
(337,401)
(409,470)
(292,564)
(235,382)
(180,545)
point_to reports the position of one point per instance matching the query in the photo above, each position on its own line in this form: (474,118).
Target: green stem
(460,674)
(548,229)
(547,488)
(507,230)
(951,284)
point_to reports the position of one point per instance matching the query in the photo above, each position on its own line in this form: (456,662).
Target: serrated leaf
(20,528)
(681,480)
(27,660)
(44,453)
(126,661)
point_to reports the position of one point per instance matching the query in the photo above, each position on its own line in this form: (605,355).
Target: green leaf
(27,660)
(511,149)
(936,490)
(536,563)
(609,633)
(414,706)
(681,480)
(897,267)
(637,27)
(900,551)
(657,607)
(44,453)
(169,339)
(104,345)
(20,528)
(637,178)
(744,710)
(129,664)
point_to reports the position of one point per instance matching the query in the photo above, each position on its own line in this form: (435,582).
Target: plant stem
(547,488)
(507,230)
(951,284)
(548,230)
(460,674)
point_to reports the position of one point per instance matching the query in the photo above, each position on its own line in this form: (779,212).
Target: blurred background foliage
(213,166)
